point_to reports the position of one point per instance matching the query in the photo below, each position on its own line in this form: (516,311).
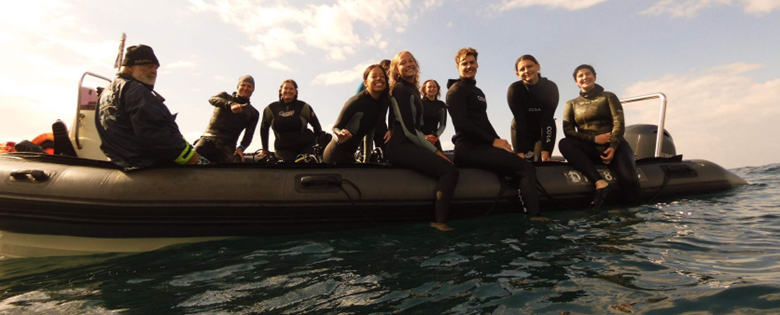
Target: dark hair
(368,71)
(438,87)
(288,81)
(525,57)
(583,66)
(464,52)
(385,64)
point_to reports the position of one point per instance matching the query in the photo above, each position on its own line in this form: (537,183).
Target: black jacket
(136,128)
(468,109)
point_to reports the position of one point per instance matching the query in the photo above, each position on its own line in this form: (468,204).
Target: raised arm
(222,100)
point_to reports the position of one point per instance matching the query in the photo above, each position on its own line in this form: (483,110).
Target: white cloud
(278,29)
(719,114)
(570,5)
(182,64)
(689,8)
(342,77)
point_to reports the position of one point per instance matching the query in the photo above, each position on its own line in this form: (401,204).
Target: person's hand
(240,153)
(387,136)
(194,159)
(441,154)
(344,135)
(521,155)
(503,145)
(609,153)
(545,156)
(603,138)
(262,153)
(237,108)
(432,139)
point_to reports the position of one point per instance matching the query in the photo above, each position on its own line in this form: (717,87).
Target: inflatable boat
(85,195)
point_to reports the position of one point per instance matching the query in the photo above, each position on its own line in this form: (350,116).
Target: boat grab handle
(319,181)
(32,175)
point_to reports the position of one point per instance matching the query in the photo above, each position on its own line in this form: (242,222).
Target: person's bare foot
(540,219)
(441,226)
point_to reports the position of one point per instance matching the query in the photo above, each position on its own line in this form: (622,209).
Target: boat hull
(77,197)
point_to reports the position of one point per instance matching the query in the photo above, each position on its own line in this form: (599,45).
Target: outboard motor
(642,140)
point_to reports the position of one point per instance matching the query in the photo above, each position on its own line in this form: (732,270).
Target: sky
(716,60)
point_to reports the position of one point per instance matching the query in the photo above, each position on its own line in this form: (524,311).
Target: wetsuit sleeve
(251,125)
(314,121)
(264,126)
(150,125)
(349,117)
(458,103)
(549,131)
(221,100)
(569,124)
(402,105)
(442,120)
(513,98)
(618,120)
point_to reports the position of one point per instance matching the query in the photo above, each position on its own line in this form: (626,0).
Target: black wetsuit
(434,119)
(218,143)
(381,127)
(594,113)
(289,124)
(408,148)
(533,107)
(360,115)
(474,136)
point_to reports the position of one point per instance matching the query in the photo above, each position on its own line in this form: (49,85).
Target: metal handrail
(661,116)
(78,103)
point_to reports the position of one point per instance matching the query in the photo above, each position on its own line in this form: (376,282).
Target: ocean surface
(706,254)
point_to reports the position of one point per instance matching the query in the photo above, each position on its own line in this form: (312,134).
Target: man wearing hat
(136,129)
(232,115)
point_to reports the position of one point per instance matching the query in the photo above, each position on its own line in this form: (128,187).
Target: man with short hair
(136,129)
(232,115)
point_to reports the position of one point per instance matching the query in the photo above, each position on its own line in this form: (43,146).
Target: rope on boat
(360,196)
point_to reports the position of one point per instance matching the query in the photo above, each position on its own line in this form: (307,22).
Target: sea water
(706,254)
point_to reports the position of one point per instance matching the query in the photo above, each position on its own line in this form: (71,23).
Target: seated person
(289,117)
(408,147)
(136,128)
(380,133)
(476,142)
(434,113)
(358,119)
(594,127)
(232,115)
(533,100)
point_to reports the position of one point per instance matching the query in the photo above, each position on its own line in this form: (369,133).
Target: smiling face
(376,81)
(245,89)
(407,67)
(467,67)
(144,73)
(431,90)
(288,92)
(585,79)
(528,71)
